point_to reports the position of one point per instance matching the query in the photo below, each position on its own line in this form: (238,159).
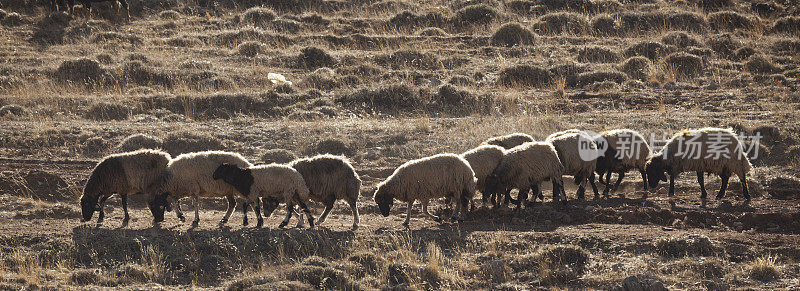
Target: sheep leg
(644,179)
(725,177)
(178,211)
(523,196)
(619,181)
(743,180)
(408,213)
(464,203)
(100,207)
(594,187)
(245,206)
(702,183)
(328,207)
(231,207)
(581,193)
(289,210)
(196,221)
(426,212)
(354,207)
(672,184)
(608,184)
(456,209)
(257,210)
(536,193)
(125,209)
(307,213)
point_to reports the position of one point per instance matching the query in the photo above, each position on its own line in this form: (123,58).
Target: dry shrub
(606,25)
(177,143)
(458,102)
(561,264)
(322,277)
(313,57)
(13,19)
(521,6)
(139,141)
(169,15)
(787,25)
(692,245)
(643,22)
(711,4)
(108,111)
(250,48)
(724,45)
(140,74)
(286,25)
(212,268)
(257,16)
(13,110)
(598,54)
(82,71)
(280,156)
(512,34)
(410,58)
(183,41)
(561,22)
(196,65)
(790,46)
(390,99)
(372,263)
(496,271)
(85,277)
(687,66)
(761,64)
(688,21)
(730,20)
(601,76)
(638,68)
(322,79)
(480,14)
(706,268)
(409,19)
(3,14)
(764,268)
(679,39)
(525,76)
(331,146)
(432,31)
(783,187)
(114,36)
(94,146)
(652,50)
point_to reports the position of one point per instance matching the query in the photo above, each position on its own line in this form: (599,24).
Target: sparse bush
(169,14)
(183,41)
(791,46)
(325,278)
(13,19)
(560,264)
(138,73)
(409,19)
(712,4)
(688,21)
(258,16)
(94,146)
(83,277)
(561,22)
(410,58)
(525,76)
(196,65)
(760,64)
(643,22)
(475,15)
(13,110)
(212,268)
(606,25)
(392,99)
(3,14)
(280,156)
(729,20)
(371,262)
(690,245)
(638,68)
(521,6)
(743,53)
(764,269)
(512,34)
(110,36)
(461,80)
(331,146)
(679,39)
(250,48)
(597,54)
(313,57)
(496,271)
(322,79)
(724,45)
(108,111)
(787,25)
(139,141)
(601,76)
(650,49)
(286,25)
(81,70)
(686,65)
(185,142)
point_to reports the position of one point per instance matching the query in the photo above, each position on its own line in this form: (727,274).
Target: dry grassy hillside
(383,82)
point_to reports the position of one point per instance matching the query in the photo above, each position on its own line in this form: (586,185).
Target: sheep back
(577,161)
(680,157)
(510,140)
(127,173)
(483,160)
(529,163)
(192,174)
(278,181)
(329,177)
(428,178)
(620,139)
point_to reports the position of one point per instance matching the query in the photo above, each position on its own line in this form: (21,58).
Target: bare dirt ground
(383,82)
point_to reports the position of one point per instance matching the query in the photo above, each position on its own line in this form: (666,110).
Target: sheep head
(656,170)
(239,178)
(384,200)
(89,206)
(158,205)
(270,204)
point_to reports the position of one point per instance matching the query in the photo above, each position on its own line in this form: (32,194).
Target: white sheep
(621,151)
(191,175)
(127,173)
(705,150)
(525,167)
(510,140)
(578,153)
(330,178)
(273,182)
(438,176)
(483,160)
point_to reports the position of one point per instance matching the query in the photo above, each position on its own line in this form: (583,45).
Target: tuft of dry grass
(764,268)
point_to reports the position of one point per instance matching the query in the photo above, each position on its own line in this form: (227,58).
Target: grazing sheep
(124,173)
(192,175)
(483,160)
(510,140)
(439,176)
(272,182)
(525,167)
(705,150)
(621,150)
(330,178)
(578,153)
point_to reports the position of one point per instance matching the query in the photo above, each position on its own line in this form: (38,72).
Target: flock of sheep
(494,168)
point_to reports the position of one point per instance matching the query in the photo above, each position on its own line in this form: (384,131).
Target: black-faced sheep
(525,167)
(438,176)
(330,178)
(128,173)
(273,182)
(510,140)
(192,175)
(483,160)
(705,150)
(578,153)
(620,151)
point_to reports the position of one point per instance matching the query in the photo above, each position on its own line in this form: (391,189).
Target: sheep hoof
(195,223)
(405,224)
(355,227)
(260,224)
(183,219)
(282,225)
(437,219)
(124,222)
